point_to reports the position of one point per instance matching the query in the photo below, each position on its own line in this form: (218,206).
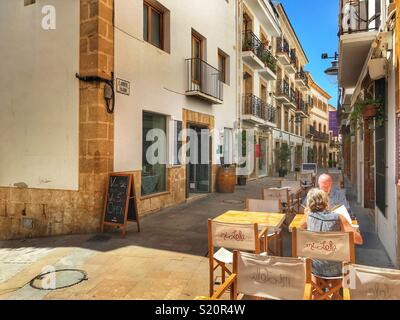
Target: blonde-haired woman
(318,219)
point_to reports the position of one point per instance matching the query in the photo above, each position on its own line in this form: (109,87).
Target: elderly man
(336,195)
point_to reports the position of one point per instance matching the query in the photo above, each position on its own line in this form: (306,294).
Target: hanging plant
(368,109)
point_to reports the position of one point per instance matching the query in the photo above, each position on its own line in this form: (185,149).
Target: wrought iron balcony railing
(253,44)
(282,88)
(293,97)
(319,135)
(302,106)
(355,16)
(255,106)
(293,57)
(301,75)
(282,46)
(204,78)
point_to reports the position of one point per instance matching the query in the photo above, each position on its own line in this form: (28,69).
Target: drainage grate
(99,238)
(233,201)
(58,279)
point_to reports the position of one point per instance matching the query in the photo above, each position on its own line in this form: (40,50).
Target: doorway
(199,154)
(262,164)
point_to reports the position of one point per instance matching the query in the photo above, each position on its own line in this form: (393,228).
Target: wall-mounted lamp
(109,95)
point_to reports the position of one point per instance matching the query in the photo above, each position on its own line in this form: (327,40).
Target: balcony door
(197,57)
(247,23)
(247,94)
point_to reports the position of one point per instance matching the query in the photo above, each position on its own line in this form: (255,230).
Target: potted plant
(282,155)
(368,109)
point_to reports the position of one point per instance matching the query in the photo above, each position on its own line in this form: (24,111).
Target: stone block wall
(175,194)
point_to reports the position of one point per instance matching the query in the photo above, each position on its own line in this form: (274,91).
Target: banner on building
(333,123)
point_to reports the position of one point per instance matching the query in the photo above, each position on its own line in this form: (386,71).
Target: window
(153,154)
(153,25)
(223,66)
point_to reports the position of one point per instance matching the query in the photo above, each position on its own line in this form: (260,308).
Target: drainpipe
(239,79)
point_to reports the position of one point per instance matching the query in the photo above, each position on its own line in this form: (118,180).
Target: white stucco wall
(387,226)
(159,79)
(39,108)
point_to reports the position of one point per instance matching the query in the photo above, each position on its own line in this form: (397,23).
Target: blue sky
(316,25)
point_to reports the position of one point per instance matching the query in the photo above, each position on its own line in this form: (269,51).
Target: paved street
(167,260)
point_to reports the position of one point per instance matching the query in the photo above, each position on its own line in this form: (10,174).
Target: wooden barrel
(226,180)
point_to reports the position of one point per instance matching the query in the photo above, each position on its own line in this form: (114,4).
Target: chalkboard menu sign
(120,202)
(309,167)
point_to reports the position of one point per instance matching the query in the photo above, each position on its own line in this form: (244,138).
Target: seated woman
(318,219)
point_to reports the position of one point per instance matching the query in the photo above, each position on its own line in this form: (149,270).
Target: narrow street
(167,260)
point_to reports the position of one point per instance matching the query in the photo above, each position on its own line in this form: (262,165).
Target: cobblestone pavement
(167,260)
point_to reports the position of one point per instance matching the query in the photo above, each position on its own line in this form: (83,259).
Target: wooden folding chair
(277,194)
(369,283)
(266,277)
(225,236)
(307,182)
(330,246)
(294,202)
(271,206)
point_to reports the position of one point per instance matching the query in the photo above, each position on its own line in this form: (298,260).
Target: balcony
(302,81)
(204,81)
(252,51)
(291,68)
(257,57)
(282,93)
(292,103)
(318,136)
(269,72)
(283,51)
(257,111)
(302,108)
(358,28)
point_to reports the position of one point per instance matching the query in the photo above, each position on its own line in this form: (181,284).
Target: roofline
(294,32)
(318,87)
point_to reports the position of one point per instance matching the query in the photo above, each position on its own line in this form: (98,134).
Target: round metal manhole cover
(233,201)
(58,279)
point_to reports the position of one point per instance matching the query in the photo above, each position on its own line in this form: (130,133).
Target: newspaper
(343,211)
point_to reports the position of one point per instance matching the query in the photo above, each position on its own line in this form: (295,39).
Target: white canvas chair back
(234,236)
(294,186)
(368,283)
(275,193)
(271,277)
(271,205)
(332,246)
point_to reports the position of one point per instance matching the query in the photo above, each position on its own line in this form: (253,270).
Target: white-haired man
(335,194)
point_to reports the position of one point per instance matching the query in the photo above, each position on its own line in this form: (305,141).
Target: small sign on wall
(123,86)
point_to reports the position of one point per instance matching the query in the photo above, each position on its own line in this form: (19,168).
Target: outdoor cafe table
(299,218)
(272,221)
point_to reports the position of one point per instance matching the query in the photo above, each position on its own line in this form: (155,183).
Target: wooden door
(197,57)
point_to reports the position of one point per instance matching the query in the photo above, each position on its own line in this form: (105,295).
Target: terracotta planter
(370,110)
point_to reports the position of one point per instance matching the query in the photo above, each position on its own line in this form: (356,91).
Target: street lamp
(333,71)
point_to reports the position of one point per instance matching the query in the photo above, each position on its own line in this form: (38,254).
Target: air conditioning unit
(377,68)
